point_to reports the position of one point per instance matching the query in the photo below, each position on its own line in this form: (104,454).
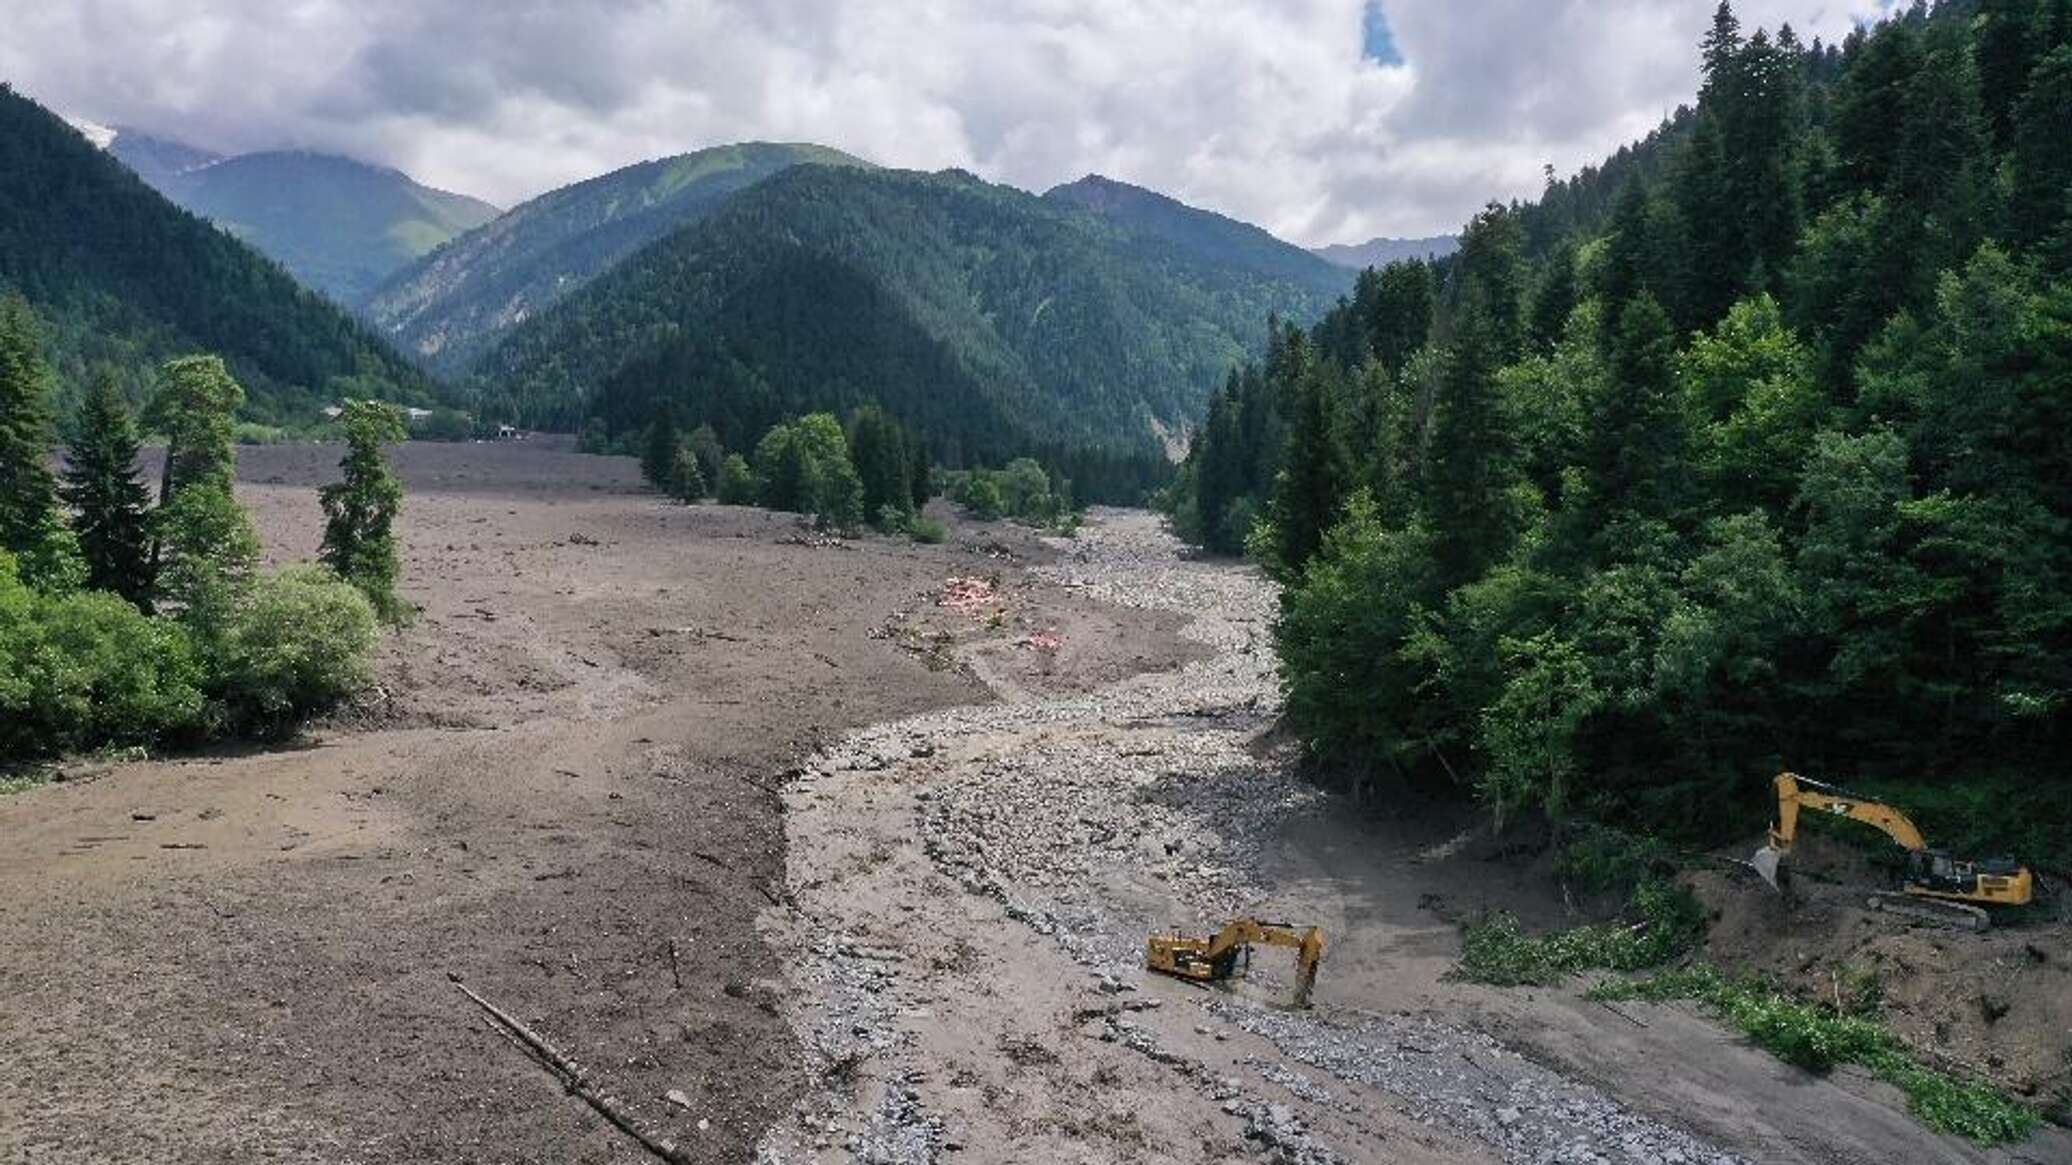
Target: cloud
(1323,120)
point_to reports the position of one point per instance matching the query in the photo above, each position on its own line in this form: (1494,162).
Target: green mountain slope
(338,225)
(121,276)
(458,301)
(1203,234)
(992,320)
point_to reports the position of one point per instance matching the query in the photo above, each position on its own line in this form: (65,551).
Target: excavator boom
(1938,885)
(1212,959)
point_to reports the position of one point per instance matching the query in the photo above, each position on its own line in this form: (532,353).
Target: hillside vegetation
(120,277)
(338,225)
(454,304)
(994,322)
(1203,235)
(1747,449)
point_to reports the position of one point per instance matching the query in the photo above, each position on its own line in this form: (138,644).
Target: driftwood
(573,1077)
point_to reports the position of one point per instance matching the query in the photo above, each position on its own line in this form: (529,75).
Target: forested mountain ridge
(338,225)
(1382,251)
(1746,450)
(989,319)
(1205,235)
(455,303)
(123,278)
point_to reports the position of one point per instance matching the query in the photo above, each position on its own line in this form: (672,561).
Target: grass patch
(11,783)
(1495,950)
(1816,1039)
(927,531)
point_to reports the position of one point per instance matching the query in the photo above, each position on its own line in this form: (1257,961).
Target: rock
(1508,1116)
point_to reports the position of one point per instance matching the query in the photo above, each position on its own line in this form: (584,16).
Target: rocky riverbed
(972,893)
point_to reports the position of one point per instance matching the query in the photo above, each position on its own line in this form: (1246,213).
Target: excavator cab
(1936,885)
(1228,952)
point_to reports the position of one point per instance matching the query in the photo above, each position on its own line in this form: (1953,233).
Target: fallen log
(573,1077)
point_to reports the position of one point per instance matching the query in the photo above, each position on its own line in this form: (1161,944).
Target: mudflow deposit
(806,850)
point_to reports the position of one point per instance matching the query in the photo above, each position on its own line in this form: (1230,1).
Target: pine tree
(108,500)
(205,546)
(658,448)
(1313,477)
(1627,258)
(1636,445)
(30,526)
(878,447)
(1466,470)
(687,479)
(704,445)
(360,510)
(2042,163)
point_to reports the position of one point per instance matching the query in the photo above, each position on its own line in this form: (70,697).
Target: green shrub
(253,433)
(298,643)
(1497,951)
(737,484)
(927,530)
(443,425)
(1816,1039)
(87,668)
(1599,858)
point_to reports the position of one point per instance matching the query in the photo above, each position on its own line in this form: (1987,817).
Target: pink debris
(967,595)
(1042,641)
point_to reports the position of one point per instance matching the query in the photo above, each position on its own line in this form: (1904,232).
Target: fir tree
(360,509)
(30,526)
(204,548)
(108,501)
(658,448)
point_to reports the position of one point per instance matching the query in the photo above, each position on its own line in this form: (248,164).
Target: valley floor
(805,865)
(974,888)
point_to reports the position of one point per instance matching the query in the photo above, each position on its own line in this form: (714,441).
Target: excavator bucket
(1765,861)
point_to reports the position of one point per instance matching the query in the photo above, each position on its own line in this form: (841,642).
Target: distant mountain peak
(1381,251)
(93,131)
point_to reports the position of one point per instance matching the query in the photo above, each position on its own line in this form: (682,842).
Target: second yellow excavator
(1207,960)
(1936,885)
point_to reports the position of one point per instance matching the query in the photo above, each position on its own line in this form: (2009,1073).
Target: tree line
(872,471)
(128,623)
(1749,449)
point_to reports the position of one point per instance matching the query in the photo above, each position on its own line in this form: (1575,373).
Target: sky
(1321,120)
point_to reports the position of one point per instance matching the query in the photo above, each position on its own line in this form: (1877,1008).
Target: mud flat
(562,790)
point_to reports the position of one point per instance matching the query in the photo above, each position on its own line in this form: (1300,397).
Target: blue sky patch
(1377,43)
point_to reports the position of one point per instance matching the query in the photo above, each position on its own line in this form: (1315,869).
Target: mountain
(990,319)
(456,302)
(338,225)
(1203,234)
(156,160)
(120,276)
(1380,252)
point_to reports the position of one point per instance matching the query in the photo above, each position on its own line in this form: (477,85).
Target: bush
(1497,951)
(1816,1039)
(927,530)
(297,643)
(804,467)
(87,668)
(443,425)
(737,484)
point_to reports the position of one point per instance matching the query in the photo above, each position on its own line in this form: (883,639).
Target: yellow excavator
(1213,959)
(1936,886)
